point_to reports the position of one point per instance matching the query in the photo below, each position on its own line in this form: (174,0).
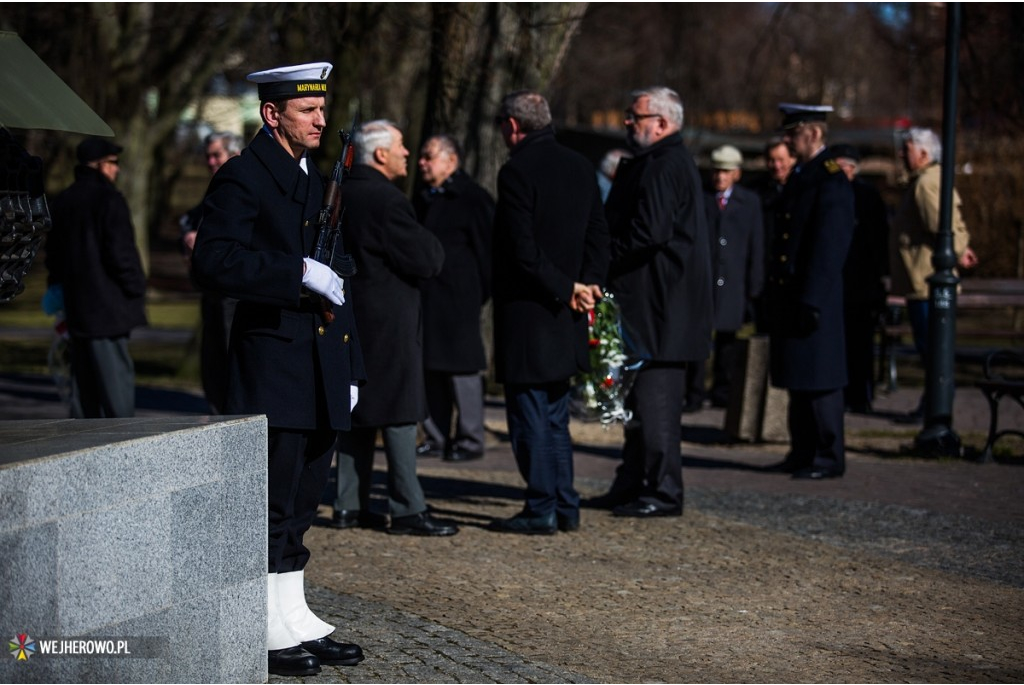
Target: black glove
(807,320)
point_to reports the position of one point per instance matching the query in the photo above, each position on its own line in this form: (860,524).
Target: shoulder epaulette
(831,166)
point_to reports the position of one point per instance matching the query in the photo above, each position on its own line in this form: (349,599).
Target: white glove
(353,396)
(321,279)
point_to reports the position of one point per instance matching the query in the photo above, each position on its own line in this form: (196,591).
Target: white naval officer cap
(795,114)
(726,158)
(297,81)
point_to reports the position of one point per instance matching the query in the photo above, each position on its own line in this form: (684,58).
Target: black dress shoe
(525,524)
(421,524)
(643,510)
(462,455)
(567,523)
(426,450)
(331,653)
(352,518)
(293,661)
(817,473)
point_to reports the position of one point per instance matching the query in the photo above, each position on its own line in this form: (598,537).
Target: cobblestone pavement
(905,570)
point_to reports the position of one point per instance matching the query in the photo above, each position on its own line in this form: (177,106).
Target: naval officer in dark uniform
(813,230)
(287,360)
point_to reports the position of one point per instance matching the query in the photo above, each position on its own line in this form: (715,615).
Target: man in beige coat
(914,233)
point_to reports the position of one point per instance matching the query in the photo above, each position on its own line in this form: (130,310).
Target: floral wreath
(600,394)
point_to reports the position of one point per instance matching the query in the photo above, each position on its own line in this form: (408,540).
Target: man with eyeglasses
(660,274)
(92,256)
(814,227)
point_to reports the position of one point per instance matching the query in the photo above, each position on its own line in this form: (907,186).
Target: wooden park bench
(1004,377)
(977,295)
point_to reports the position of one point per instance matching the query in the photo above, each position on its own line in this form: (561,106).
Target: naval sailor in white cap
(288,359)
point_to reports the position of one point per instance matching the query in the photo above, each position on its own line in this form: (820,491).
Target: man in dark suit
(661,276)
(863,281)
(805,297)
(461,214)
(393,253)
(91,254)
(737,265)
(286,359)
(550,259)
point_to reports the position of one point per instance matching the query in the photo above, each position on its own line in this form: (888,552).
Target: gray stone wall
(148,531)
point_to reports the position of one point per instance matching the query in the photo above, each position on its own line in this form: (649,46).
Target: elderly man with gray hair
(914,231)
(660,274)
(394,253)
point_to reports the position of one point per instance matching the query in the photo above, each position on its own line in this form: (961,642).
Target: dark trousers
(816,429)
(538,421)
(464,392)
(218,313)
(299,463)
(723,371)
(859,325)
(652,461)
(102,378)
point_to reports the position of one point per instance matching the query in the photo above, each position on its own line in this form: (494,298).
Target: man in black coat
(737,265)
(393,253)
(779,160)
(288,359)
(461,214)
(814,227)
(91,254)
(864,290)
(550,259)
(661,276)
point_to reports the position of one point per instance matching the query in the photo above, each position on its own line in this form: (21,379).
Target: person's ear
(380,155)
(271,114)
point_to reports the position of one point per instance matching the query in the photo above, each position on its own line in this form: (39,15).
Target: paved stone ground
(906,570)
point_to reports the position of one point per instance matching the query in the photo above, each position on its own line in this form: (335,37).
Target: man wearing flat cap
(92,257)
(289,358)
(813,230)
(737,265)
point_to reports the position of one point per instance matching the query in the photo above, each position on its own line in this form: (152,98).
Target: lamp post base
(938,441)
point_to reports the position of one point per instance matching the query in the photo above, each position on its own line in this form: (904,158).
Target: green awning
(32,96)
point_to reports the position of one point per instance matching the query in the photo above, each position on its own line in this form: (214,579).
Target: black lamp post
(938,438)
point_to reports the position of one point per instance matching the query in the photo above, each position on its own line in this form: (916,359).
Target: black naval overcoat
(393,253)
(461,215)
(813,229)
(661,254)
(259,221)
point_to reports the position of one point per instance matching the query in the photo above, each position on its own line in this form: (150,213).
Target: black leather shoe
(426,450)
(353,518)
(606,501)
(331,653)
(421,524)
(644,510)
(817,473)
(525,525)
(462,455)
(292,661)
(568,524)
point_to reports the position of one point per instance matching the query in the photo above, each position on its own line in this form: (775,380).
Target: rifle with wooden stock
(330,246)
